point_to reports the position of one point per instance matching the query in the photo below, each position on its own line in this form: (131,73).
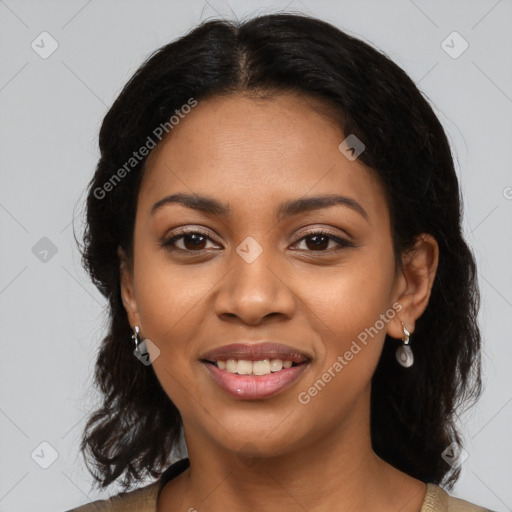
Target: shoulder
(139,500)
(438,500)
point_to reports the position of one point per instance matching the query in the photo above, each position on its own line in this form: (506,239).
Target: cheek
(351,346)
(166,308)
(354,307)
(168,294)
(351,299)
(171,301)
(168,302)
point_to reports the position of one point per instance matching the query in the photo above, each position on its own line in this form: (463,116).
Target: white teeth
(276,365)
(231,366)
(261,367)
(245,367)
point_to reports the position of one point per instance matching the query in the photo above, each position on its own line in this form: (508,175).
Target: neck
(337,471)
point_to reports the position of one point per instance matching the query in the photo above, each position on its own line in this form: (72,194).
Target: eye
(320,241)
(187,241)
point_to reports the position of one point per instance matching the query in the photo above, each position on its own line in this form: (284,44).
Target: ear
(127,288)
(414,283)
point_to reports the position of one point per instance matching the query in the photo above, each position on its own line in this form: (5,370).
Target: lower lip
(255,387)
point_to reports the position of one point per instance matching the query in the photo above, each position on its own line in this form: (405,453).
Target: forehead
(250,151)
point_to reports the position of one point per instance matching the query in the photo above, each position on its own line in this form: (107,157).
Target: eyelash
(169,243)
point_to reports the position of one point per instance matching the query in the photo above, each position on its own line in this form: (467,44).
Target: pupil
(196,240)
(320,241)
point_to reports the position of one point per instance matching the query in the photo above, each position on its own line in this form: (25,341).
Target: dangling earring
(404,354)
(136,341)
(142,348)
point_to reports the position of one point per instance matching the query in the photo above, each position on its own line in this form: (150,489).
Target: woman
(275,221)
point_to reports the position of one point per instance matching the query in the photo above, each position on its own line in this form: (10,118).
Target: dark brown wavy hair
(414,410)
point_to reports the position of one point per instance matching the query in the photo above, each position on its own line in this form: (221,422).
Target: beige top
(145,498)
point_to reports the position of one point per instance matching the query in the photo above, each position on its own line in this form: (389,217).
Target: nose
(253,291)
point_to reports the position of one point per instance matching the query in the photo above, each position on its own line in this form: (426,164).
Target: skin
(276,453)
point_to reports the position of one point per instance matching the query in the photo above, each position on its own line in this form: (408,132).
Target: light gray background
(52,317)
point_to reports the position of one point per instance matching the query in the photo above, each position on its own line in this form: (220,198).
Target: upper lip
(256,352)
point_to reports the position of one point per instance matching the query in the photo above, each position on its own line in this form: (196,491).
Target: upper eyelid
(327,231)
(206,231)
(187,231)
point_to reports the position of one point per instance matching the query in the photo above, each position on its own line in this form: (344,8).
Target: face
(319,279)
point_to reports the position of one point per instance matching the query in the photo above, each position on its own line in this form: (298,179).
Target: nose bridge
(255,286)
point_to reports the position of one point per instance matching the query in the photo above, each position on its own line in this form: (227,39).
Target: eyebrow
(211,206)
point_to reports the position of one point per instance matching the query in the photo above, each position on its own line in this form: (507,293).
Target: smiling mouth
(245,379)
(249,371)
(253,368)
